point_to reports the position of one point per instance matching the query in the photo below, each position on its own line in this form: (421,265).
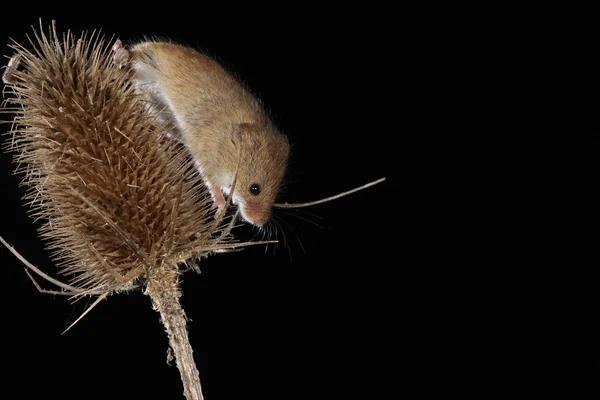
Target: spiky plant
(120,203)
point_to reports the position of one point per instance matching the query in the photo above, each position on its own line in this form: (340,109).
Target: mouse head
(264,154)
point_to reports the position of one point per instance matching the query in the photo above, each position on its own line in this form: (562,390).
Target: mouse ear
(246,134)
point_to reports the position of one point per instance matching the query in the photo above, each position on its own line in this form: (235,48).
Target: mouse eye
(255,189)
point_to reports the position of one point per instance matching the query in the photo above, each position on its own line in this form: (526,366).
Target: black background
(569,329)
(564,77)
(287,324)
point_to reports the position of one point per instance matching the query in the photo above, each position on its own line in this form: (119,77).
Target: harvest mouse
(221,123)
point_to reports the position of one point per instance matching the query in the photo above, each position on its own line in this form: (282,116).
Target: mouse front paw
(220,204)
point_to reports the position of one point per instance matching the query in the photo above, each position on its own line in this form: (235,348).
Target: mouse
(223,125)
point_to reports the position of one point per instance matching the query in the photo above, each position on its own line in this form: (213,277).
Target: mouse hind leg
(165,116)
(143,72)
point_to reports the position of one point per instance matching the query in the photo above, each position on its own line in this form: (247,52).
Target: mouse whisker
(305,212)
(273,232)
(286,243)
(275,224)
(300,243)
(264,234)
(295,214)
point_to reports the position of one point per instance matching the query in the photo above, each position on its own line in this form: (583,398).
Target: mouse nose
(255,214)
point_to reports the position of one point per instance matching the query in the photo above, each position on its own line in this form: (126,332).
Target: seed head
(120,202)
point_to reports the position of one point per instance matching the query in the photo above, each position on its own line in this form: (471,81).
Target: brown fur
(219,121)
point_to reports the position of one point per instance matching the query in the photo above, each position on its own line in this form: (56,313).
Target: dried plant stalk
(121,204)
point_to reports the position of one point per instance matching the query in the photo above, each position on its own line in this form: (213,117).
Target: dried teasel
(120,202)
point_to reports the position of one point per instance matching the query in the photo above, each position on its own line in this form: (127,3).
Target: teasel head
(120,202)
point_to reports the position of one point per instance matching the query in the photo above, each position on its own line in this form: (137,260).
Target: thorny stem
(165,299)
(325,200)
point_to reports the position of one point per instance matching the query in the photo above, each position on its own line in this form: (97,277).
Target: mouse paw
(221,209)
(220,204)
(121,56)
(220,213)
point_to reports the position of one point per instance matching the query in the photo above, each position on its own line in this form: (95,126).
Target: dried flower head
(121,203)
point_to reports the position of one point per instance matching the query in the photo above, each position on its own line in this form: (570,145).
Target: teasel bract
(120,202)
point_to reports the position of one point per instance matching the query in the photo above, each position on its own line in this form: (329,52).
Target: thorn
(98,300)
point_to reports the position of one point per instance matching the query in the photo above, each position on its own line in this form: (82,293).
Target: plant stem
(165,299)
